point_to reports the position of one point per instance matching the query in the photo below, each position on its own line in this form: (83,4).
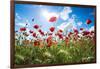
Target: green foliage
(78,52)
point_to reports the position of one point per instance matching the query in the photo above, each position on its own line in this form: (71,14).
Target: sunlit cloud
(20,24)
(48,15)
(91,28)
(79,23)
(65,13)
(65,26)
(17,16)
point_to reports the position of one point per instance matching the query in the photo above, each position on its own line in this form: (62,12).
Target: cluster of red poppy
(59,33)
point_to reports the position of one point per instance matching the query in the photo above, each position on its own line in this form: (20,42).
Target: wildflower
(41,43)
(70,33)
(49,41)
(31,31)
(42,33)
(76,31)
(26,42)
(66,40)
(52,29)
(81,28)
(52,19)
(39,30)
(86,33)
(60,36)
(92,31)
(60,31)
(36,43)
(54,43)
(36,26)
(88,21)
(34,34)
(23,29)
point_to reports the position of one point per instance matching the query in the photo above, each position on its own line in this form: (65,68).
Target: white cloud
(91,29)
(18,17)
(70,24)
(48,15)
(65,26)
(20,24)
(71,20)
(23,24)
(65,13)
(79,23)
(28,24)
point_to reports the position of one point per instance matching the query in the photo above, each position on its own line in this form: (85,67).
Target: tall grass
(78,52)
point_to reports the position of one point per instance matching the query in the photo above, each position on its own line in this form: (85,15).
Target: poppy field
(54,37)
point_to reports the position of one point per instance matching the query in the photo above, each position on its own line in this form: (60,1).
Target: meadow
(70,48)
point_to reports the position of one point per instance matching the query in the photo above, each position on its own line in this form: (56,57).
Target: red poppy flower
(36,26)
(49,41)
(60,31)
(42,33)
(49,38)
(52,29)
(39,30)
(36,43)
(86,33)
(34,34)
(76,31)
(23,29)
(49,44)
(88,21)
(52,19)
(60,36)
(66,40)
(66,37)
(70,33)
(81,28)
(31,31)
(92,31)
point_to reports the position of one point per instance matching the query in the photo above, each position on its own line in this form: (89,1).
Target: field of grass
(78,52)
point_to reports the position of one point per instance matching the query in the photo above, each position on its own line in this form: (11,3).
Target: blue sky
(68,16)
